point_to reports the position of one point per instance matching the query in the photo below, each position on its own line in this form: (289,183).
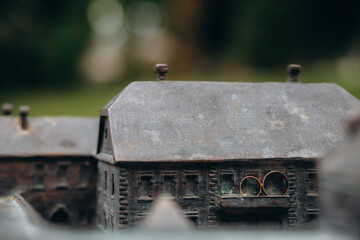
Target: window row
(61,178)
(169,183)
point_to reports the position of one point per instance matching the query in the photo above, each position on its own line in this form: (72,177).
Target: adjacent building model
(228,153)
(50,161)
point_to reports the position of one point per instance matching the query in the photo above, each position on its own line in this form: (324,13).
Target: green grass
(87,100)
(84,100)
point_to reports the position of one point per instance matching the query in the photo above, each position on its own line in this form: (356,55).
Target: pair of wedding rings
(274,183)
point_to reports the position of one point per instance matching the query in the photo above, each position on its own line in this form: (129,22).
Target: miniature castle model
(50,160)
(226,152)
(242,153)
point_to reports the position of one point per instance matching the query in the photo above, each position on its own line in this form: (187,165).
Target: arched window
(60,216)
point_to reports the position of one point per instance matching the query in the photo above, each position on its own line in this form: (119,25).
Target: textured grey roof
(173,120)
(48,136)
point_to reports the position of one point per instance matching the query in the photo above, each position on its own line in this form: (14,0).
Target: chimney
(293,70)
(24,111)
(7,109)
(161,69)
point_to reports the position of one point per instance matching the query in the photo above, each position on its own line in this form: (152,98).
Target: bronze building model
(49,160)
(241,153)
(228,153)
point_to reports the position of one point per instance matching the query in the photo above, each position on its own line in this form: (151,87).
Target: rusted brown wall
(79,205)
(128,204)
(19,173)
(66,181)
(15,174)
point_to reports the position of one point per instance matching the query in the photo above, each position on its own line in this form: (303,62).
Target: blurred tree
(40,41)
(266,33)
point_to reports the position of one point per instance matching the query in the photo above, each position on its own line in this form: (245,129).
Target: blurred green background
(65,57)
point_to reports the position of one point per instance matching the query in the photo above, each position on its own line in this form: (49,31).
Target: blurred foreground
(20,222)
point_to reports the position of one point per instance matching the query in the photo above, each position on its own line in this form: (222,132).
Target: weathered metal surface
(215,121)
(204,190)
(47,182)
(48,136)
(237,201)
(161,70)
(7,109)
(293,70)
(49,159)
(24,111)
(72,207)
(46,173)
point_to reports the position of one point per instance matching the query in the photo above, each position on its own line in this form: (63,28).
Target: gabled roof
(48,136)
(203,121)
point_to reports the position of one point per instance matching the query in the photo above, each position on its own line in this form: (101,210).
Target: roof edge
(51,155)
(104,157)
(219,160)
(110,103)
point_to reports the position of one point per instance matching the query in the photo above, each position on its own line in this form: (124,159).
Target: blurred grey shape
(166,214)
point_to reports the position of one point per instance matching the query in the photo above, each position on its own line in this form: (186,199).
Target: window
(105,220)
(62,175)
(312,217)
(193,216)
(145,182)
(253,173)
(191,185)
(39,176)
(61,215)
(84,175)
(141,216)
(169,181)
(227,183)
(112,184)
(145,186)
(312,182)
(104,143)
(105,180)
(169,185)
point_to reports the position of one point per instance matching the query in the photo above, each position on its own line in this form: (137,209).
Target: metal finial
(7,109)
(161,70)
(293,70)
(24,111)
